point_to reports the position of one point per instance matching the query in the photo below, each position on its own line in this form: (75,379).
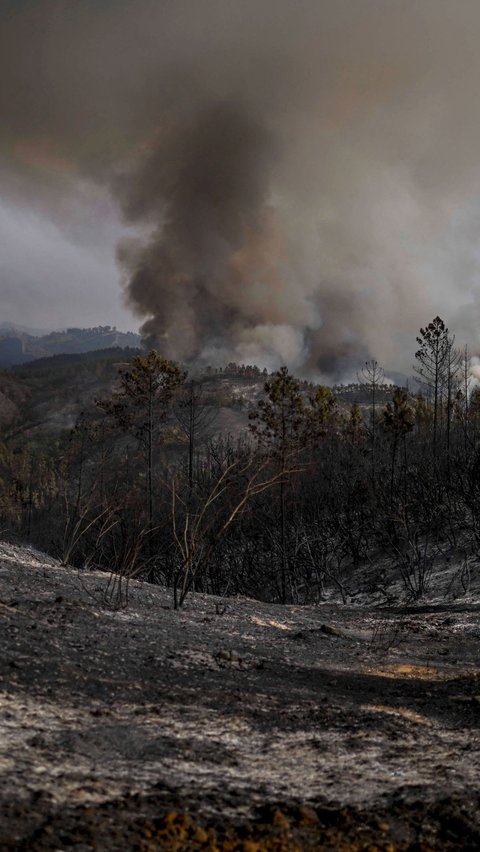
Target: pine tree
(355,426)
(321,414)
(140,406)
(279,425)
(195,417)
(433,366)
(398,421)
(370,377)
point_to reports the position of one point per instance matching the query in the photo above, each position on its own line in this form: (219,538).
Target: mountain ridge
(19,345)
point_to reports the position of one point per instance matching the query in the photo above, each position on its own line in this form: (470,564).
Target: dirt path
(232,722)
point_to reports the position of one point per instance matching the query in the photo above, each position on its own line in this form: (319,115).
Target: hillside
(19,346)
(49,394)
(232,724)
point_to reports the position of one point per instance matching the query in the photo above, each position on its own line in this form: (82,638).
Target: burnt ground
(233,724)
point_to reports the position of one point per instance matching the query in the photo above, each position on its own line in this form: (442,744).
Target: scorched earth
(232,724)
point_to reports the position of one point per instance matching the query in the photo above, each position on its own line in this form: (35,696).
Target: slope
(232,724)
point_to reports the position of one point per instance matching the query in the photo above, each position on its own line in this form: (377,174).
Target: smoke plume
(299,180)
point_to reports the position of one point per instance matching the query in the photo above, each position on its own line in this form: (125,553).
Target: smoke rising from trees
(300,178)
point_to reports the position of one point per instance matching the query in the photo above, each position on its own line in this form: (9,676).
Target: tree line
(147,486)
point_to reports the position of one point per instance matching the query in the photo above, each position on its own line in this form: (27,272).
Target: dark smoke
(300,176)
(205,187)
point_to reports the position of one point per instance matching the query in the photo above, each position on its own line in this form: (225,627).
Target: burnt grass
(232,724)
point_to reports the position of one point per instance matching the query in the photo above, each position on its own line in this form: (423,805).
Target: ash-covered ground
(232,724)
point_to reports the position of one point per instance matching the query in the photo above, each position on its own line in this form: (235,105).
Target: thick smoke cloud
(213,275)
(299,180)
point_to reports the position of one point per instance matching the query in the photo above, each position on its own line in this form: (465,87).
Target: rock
(280,820)
(226,655)
(330,631)
(306,815)
(223,654)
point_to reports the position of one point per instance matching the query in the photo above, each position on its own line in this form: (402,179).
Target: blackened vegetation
(147,485)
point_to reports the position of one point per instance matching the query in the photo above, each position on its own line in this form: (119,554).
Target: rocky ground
(233,724)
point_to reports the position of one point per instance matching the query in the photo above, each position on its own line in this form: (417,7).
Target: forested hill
(237,481)
(48,394)
(18,346)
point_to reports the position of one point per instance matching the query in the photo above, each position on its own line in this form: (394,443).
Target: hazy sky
(286,181)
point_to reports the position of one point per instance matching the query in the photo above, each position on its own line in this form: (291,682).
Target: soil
(232,724)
